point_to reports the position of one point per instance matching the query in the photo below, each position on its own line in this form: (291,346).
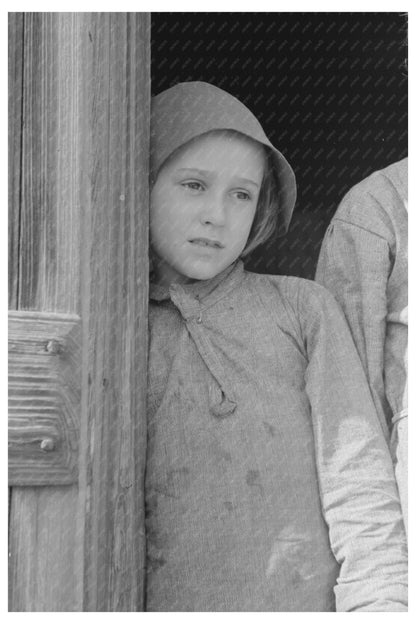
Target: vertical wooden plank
(114,434)
(50,215)
(84,250)
(43,539)
(15,137)
(15,90)
(43,543)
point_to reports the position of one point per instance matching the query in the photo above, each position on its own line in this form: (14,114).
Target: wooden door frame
(78,245)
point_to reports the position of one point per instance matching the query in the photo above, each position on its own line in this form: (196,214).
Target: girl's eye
(243,195)
(193,185)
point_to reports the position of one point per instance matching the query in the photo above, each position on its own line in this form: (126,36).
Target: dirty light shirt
(262,435)
(363,262)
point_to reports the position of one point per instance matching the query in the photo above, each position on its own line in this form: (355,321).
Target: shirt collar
(207,292)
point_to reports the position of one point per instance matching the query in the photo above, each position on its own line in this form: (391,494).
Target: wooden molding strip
(44,398)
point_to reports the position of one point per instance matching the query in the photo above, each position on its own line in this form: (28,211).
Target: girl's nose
(213,211)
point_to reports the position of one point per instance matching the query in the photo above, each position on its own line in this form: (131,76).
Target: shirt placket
(193,312)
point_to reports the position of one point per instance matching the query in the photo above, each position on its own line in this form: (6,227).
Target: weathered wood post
(79,86)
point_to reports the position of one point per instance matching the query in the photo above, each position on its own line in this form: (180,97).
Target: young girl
(269,483)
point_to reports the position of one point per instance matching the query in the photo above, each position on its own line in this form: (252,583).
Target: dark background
(330,90)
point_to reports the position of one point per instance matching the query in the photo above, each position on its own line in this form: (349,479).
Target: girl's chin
(186,273)
(204,272)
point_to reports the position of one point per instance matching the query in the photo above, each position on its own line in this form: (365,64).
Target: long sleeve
(363,263)
(358,491)
(354,265)
(399,447)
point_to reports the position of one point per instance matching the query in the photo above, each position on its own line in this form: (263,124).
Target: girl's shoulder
(303,300)
(301,307)
(295,290)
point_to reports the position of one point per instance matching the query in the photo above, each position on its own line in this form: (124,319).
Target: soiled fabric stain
(182,471)
(253,479)
(157,540)
(296,551)
(269,428)
(229,506)
(176,479)
(298,579)
(154,563)
(150,506)
(220,453)
(165,491)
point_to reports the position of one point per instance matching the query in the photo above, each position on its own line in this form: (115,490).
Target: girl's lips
(207,242)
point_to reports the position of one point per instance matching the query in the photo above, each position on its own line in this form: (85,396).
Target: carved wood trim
(44,398)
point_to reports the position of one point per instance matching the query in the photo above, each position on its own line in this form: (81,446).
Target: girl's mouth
(207,242)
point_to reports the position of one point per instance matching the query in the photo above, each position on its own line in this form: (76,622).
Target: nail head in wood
(48,444)
(53,346)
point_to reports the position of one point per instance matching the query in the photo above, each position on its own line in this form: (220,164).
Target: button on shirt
(269,485)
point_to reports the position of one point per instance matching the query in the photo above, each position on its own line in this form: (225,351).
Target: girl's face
(203,205)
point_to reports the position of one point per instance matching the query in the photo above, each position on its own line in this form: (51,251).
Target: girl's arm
(358,490)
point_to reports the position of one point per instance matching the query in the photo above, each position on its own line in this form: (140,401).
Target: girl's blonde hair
(267,211)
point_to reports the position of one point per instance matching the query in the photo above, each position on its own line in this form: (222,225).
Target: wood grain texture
(83,250)
(50,214)
(43,557)
(15,152)
(46,274)
(114,434)
(44,398)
